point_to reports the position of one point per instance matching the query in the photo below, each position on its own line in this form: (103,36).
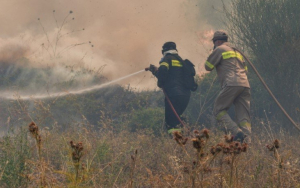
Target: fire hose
(270,92)
(173,109)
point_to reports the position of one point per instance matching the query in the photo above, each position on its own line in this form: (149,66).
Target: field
(82,156)
(55,131)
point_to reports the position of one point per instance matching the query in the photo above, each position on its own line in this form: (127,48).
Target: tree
(269,31)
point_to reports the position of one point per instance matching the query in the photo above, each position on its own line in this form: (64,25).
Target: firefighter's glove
(152,69)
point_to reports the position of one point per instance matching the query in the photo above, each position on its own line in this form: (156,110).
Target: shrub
(148,118)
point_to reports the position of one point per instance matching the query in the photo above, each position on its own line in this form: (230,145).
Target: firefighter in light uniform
(232,73)
(170,78)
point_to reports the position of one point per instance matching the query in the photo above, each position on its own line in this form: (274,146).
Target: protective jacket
(170,75)
(230,66)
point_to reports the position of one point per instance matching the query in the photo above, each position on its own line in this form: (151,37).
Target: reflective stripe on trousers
(240,98)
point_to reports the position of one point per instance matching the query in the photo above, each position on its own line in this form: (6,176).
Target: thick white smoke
(121,36)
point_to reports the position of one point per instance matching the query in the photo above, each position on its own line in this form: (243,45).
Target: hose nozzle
(151,68)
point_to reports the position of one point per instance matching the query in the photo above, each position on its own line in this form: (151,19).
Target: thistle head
(276,143)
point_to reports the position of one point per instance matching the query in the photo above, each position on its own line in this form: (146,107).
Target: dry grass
(105,158)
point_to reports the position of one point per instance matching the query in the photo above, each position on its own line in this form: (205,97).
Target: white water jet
(9,95)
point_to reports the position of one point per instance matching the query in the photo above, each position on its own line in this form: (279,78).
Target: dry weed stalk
(52,46)
(34,131)
(279,162)
(199,166)
(202,164)
(76,156)
(181,141)
(133,162)
(232,150)
(179,138)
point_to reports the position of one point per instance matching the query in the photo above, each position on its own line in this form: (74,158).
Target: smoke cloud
(58,41)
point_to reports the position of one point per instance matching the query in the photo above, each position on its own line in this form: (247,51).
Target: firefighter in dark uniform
(170,78)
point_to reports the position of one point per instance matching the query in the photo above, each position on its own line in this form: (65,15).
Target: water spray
(62,94)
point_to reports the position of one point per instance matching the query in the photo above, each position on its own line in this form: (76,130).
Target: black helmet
(168,46)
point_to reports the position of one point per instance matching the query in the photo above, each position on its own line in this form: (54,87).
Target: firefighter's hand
(152,68)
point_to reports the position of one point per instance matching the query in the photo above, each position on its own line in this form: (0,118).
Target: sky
(122,37)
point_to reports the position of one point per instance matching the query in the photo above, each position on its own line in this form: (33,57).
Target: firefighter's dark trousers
(179,103)
(240,98)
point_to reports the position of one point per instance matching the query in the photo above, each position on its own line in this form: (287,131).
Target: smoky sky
(121,36)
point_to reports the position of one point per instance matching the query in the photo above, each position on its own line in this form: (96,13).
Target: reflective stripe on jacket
(170,75)
(230,66)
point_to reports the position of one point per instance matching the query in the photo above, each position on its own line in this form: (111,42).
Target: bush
(148,118)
